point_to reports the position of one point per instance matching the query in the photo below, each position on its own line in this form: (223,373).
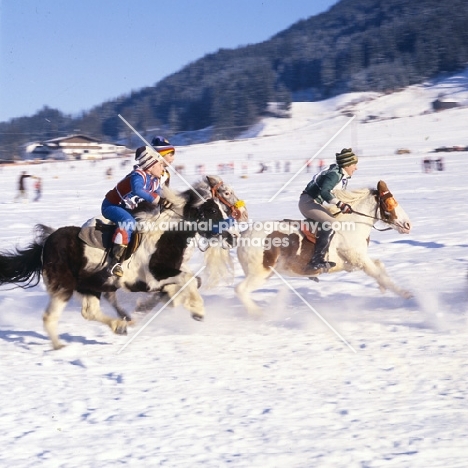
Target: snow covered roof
(73,139)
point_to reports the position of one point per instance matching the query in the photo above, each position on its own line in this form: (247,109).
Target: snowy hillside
(279,390)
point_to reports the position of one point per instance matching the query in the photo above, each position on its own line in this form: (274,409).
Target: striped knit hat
(346,157)
(146,157)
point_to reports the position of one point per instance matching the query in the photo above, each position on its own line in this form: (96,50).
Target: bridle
(386,205)
(233,207)
(234,211)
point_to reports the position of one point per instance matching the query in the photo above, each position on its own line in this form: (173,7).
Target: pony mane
(175,198)
(179,200)
(147,212)
(353,196)
(199,188)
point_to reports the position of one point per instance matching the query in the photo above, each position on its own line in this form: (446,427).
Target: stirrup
(116,270)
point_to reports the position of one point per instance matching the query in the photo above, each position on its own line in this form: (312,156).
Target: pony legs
(375,269)
(148,304)
(189,298)
(51,317)
(90,310)
(111,297)
(248,285)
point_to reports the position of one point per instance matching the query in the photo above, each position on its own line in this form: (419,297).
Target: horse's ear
(213,180)
(382,186)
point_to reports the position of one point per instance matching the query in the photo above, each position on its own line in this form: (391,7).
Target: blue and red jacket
(134,188)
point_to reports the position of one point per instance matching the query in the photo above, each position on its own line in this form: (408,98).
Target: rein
(381,199)
(376,218)
(169,208)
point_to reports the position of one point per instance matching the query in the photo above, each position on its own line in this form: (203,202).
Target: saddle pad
(304,230)
(310,236)
(97,233)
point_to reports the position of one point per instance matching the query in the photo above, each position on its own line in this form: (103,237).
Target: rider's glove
(344,207)
(165,204)
(131,202)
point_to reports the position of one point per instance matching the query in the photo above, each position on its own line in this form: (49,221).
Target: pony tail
(24,265)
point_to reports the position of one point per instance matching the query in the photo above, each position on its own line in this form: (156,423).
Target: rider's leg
(324,233)
(117,253)
(122,235)
(324,237)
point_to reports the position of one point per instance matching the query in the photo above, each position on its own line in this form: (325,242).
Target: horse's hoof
(197,317)
(199,282)
(58,346)
(314,278)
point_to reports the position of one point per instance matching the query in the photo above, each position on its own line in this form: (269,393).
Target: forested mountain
(358,45)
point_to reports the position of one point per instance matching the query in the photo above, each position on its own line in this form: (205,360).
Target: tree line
(357,45)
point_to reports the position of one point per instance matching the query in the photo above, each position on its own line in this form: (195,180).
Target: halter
(235,212)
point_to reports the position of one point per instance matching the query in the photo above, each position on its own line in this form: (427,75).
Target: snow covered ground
(277,391)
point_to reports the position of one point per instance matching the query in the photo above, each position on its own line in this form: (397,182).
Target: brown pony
(282,245)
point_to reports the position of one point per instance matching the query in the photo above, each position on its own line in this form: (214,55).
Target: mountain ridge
(357,45)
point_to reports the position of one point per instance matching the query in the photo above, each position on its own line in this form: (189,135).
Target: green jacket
(321,186)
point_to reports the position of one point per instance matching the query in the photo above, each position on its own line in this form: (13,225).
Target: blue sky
(73,55)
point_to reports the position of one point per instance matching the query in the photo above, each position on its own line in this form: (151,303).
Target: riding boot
(322,243)
(114,268)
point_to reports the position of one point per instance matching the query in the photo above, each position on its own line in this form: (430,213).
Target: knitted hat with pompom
(346,157)
(146,157)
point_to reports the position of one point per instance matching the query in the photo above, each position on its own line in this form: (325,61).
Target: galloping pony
(286,247)
(216,257)
(69,265)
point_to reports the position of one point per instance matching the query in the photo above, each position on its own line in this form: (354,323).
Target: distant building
(73,147)
(36,151)
(439,105)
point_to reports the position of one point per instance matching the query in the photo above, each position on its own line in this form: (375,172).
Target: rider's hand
(131,202)
(165,204)
(344,207)
(156,201)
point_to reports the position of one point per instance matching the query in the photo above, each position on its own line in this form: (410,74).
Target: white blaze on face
(402,222)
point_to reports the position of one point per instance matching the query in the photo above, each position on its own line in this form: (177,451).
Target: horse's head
(233,206)
(208,214)
(390,211)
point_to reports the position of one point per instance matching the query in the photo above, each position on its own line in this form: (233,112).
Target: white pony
(284,246)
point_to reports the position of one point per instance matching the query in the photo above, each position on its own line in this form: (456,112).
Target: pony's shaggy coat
(68,265)
(290,254)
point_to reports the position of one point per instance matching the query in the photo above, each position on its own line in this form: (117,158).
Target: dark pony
(68,265)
